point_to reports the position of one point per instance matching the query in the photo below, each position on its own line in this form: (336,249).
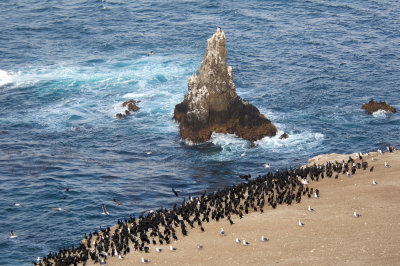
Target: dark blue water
(66,67)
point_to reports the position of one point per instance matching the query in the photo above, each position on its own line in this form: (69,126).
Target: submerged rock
(212,104)
(284,136)
(373,106)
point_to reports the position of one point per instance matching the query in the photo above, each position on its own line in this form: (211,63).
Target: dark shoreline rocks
(212,105)
(373,106)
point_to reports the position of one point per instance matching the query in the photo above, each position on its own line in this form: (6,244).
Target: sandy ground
(331,235)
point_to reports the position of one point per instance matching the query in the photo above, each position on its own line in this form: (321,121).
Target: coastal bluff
(212,104)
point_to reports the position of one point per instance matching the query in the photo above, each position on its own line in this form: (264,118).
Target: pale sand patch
(331,234)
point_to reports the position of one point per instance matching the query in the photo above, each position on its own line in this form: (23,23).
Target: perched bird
(199,246)
(237,240)
(222,232)
(171,248)
(117,202)
(356,214)
(300,223)
(245,243)
(12,235)
(175,192)
(374,182)
(120,257)
(105,212)
(145,260)
(348,173)
(310,209)
(158,249)
(387,164)
(316,194)
(264,239)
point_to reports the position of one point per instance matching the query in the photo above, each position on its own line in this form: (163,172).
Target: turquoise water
(66,67)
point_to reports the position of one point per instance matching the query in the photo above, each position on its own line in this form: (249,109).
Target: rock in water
(373,106)
(212,104)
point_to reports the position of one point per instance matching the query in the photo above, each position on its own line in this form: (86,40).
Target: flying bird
(117,202)
(105,212)
(12,235)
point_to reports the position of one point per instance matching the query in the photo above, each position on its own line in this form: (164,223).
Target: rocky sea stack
(212,105)
(373,106)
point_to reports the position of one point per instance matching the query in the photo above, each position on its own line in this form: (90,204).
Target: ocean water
(66,67)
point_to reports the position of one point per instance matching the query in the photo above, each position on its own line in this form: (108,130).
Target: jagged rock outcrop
(212,104)
(373,106)
(130,106)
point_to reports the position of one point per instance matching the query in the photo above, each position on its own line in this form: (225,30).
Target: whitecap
(380,114)
(5,78)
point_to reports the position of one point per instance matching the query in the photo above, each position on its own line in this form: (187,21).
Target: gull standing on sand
(264,239)
(158,249)
(245,243)
(144,260)
(199,246)
(300,223)
(222,232)
(237,240)
(356,214)
(310,209)
(374,182)
(348,173)
(105,212)
(380,151)
(171,248)
(316,194)
(387,164)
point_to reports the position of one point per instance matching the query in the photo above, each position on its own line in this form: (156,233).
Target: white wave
(380,114)
(296,141)
(5,78)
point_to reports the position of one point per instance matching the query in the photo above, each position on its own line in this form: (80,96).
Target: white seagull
(310,209)
(144,260)
(105,212)
(199,246)
(149,152)
(300,223)
(316,195)
(267,165)
(245,243)
(120,257)
(348,173)
(222,232)
(158,249)
(243,154)
(264,239)
(12,235)
(237,240)
(374,182)
(380,151)
(387,164)
(171,248)
(356,214)
(17,204)
(304,181)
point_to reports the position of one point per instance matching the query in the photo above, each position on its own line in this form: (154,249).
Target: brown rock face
(373,106)
(212,104)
